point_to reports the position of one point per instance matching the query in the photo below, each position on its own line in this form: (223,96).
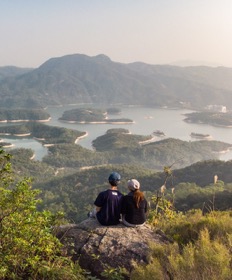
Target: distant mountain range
(79,78)
(186,63)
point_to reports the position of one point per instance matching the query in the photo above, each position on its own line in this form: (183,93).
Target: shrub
(28,248)
(206,259)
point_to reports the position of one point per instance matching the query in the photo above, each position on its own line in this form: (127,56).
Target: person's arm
(146,207)
(99,202)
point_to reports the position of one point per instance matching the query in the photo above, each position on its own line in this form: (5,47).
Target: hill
(82,79)
(12,71)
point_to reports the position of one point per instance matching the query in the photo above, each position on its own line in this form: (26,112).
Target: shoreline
(103,122)
(32,157)
(147,141)
(212,124)
(16,121)
(48,145)
(15,134)
(8,146)
(81,137)
(223,151)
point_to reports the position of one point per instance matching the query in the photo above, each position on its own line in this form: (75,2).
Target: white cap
(133,184)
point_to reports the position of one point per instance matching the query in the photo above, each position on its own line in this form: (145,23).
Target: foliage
(202,173)
(84,115)
(200,260)
(185,228)
(113,110)
(151,271)
(213,118)
(74,194)
(23,114)
(201,247)
(24,165)
(29,249)
(111,273)
(44,133)
(201,243)
(66,188)
(72,155)
(82,79)
(88,115)
(116,139)
(11,71)
(206,257)
(117,146)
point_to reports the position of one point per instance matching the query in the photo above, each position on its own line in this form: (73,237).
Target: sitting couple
(111,204)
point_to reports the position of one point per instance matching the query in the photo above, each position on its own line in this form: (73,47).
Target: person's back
(108,203)
(132,214)
(134,205)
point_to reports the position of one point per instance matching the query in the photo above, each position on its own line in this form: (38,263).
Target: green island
(212,118)
(5,144)
(90,115)
(23,115)
(116,146)
(47,135)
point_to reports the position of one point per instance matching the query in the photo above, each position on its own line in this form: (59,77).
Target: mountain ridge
(78,78)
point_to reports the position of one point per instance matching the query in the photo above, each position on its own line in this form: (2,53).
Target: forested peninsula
(211,118)
(24,115)
(47,135)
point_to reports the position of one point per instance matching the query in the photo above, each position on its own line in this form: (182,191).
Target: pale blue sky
(152,31)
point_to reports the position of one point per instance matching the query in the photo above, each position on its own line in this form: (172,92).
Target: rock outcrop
(97,247)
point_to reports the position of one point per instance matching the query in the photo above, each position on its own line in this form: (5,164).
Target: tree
(28,247)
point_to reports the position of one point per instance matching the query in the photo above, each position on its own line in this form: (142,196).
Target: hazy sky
(152,31)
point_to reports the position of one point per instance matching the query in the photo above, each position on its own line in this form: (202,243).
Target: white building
(217,108)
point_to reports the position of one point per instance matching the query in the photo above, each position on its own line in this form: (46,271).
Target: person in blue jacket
(108,202)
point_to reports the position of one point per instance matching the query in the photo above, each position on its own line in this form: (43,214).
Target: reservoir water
(146,121)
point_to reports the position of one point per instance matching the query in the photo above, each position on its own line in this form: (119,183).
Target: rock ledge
(97,247)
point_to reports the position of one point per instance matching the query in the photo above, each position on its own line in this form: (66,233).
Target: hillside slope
(82,79)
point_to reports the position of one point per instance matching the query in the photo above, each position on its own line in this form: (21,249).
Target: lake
(147,120)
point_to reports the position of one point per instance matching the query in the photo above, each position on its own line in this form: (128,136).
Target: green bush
(28,247)
(201,250)
(206,259)
(153,271)
(186,228)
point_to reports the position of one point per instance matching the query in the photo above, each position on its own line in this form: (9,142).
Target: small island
(158,133)
(96,116)
(201,136)
(6,145)
(212,118)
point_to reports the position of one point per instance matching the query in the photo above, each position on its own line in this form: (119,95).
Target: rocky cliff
(99,247)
